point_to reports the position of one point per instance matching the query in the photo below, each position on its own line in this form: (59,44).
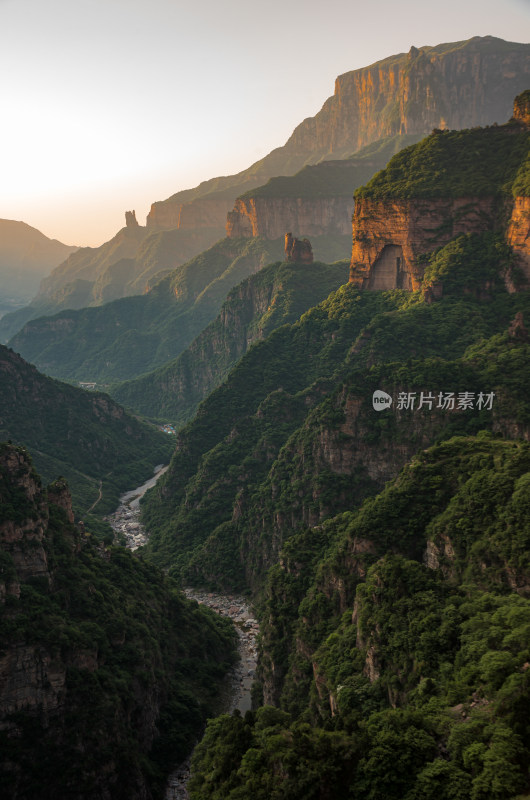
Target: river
(235,690)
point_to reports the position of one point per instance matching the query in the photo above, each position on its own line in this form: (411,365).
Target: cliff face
(21,536)
(448,86)
(518,235)
(455,85)
(74,617)
(271,217)
(452,183)
(205,212)
(30,676)
(390,234)
(521,108)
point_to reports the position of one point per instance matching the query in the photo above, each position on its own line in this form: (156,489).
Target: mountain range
(386,547)
(26,257)
(353,454)
(468,83)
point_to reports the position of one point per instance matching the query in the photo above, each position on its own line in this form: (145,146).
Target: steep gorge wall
(271,217)
(448,86)
(390,234)
(456,85)
(204,212)
(95,648)
(518,235)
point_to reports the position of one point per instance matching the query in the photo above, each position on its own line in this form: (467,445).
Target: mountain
(463,291)
(130,336)
(278,294)
(26,256)
(316,201)
(409,676)
(467,83)
(124,266)
(84,436)
(107,672)
(386,545)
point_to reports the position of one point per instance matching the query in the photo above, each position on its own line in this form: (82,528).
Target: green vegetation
(130,336)
(471,263)
(235,455)
(521,185)
(335,178)
(407,681)
(393,620)
(276,295)
(126,669)
(84,436)
(470,163)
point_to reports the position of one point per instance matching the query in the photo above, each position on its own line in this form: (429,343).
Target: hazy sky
(109,105)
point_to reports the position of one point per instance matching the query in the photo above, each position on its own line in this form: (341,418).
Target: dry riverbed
(125,520)
(235,692)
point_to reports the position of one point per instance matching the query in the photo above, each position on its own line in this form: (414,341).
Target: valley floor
(236,690)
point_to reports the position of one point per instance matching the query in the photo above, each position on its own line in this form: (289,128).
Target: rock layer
(205,212)
(448,86)
(519,236)
(390,234)
(271,216)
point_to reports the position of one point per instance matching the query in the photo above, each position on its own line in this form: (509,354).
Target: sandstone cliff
(271,217)
(451,183)
(205,212)
(390,235)
(518,235)
(455,85)
(458,85)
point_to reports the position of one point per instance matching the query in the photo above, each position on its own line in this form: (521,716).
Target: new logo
(381,400)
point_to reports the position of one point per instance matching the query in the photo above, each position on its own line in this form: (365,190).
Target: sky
(110,105)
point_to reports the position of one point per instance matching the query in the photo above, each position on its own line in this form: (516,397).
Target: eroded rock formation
(390,234)
(204,212)
(298,250)
(471,83)
(130,219)
(518,237)
(521,108)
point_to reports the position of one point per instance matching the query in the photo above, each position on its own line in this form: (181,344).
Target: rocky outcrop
(518,237)
(204,212)
(461,85)
(390,234)
(271,216)
(521,108)
(517,328)
(130,219)
(298,250)
(21,533)
(454,85)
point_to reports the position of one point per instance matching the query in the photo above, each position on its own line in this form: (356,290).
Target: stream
(235,689)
